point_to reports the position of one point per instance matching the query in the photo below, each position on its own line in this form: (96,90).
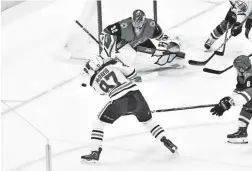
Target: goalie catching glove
(224,105)
(170,44)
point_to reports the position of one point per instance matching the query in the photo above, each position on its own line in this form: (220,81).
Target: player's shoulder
(150,22)
(125,22)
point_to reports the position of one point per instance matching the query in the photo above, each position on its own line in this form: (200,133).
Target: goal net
(95,16)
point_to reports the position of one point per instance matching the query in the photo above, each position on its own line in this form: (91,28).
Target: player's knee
(143,116)
(149,124)
(98,124)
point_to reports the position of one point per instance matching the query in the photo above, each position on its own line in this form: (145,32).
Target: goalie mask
(171,44)
(242,63)
(138,19)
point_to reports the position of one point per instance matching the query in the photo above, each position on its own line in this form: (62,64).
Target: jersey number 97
(105,86)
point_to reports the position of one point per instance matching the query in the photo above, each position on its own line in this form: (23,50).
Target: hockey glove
(237,29)
(222,106)
(138,79)
(231,17)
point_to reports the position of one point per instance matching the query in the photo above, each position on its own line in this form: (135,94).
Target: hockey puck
(84,85)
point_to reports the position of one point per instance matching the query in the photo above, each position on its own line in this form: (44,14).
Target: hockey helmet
(93,65)
(242,63)
(138,18)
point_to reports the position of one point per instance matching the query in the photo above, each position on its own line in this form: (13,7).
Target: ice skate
(91,158)
(169,144)
(209,43)
(239,137)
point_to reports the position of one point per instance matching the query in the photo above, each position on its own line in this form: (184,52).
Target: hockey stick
(180,108)
(224,47)
(213,71)
(83,28)
(201,63)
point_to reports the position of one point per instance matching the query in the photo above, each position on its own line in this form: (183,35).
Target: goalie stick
(213,71)
(180,108)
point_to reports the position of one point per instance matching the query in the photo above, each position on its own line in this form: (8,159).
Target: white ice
(42,85)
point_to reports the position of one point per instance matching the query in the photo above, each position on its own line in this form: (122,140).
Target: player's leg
(248,26)
(221,29)
(109,114)
(240,136)
(142,112)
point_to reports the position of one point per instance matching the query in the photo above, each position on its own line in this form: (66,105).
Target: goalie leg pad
(173,60)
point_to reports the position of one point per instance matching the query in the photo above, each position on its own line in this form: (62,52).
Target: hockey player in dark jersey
(114,79)
(137,31)
(238,11)
(241,97)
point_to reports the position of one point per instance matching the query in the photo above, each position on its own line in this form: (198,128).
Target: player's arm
(129,72)
(114,29)
(248,26)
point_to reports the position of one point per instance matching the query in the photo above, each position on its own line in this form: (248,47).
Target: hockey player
(137,32)
(238,11)
(116,80)
(242,97)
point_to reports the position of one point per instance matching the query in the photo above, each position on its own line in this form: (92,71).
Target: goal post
(96,15)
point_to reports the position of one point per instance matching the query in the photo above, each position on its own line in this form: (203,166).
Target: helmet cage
(138,19)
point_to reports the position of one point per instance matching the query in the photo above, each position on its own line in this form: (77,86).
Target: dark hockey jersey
(243,88)
(124,31)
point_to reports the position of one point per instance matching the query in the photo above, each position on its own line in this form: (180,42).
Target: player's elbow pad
(132,75)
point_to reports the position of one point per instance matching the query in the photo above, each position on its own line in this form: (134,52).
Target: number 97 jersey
(114,79)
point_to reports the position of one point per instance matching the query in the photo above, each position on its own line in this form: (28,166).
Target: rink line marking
(212,2)
(121,137)
(40,94)
(13,101)
(196,15)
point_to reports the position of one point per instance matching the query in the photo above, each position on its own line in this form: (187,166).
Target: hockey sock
(97,135)
(156,130)
(219,30)
(244,118)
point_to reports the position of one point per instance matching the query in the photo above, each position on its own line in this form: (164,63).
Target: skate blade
(237,140)
(90,162)
(208,50)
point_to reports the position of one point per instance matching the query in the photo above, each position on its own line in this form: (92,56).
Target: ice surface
(40,82)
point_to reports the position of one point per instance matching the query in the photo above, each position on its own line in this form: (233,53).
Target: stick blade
(213,71)
(209,70)
(219,53)
(198,63)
